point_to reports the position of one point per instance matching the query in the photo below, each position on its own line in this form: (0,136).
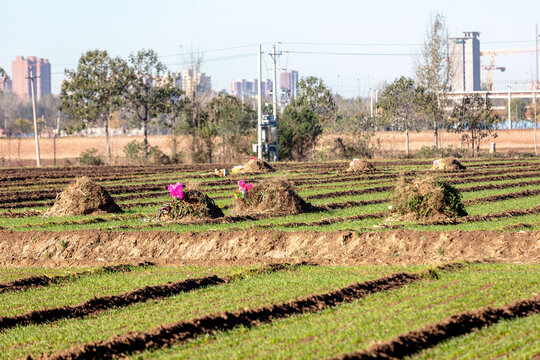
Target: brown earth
(91,247)
(14,152)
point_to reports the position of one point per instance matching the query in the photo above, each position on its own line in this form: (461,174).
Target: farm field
(334,282)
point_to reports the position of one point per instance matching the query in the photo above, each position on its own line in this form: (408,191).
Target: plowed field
(335,282)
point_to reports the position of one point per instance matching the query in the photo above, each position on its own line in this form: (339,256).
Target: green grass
(378,317)
(90,286)
(10,274)
(511,339)
(126,222)
(253,291)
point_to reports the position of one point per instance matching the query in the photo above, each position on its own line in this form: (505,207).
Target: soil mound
(84,197)
(360,165)
(270,196)
(425,198)
(193,205)
(448,164)
(255,166)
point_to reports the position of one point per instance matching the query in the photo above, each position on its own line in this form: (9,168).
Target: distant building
(195,83)
(177,79)
(21,72)
(249,88)
(289,80)
(465,62)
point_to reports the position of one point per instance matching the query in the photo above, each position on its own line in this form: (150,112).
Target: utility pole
(534,94)
(274,91)
(376,99)
(259,106)
(509,113)
(32,83)
(371,102)
(56,131)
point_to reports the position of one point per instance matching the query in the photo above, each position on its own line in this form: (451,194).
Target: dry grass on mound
(425,198)
(193,205)
(361,166)
(84,197)
(448,164)
(256,166)
(271,196)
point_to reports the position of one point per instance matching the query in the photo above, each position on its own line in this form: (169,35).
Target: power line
(213,50)
(349,53)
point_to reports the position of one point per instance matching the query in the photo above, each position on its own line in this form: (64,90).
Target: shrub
(430,152)
(91,157)
(135,151)
(426,197)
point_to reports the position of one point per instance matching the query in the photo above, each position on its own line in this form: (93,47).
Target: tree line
(142,92)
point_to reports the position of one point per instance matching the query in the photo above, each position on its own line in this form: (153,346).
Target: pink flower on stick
(176,190)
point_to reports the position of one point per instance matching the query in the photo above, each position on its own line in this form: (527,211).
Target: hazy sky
(226,33)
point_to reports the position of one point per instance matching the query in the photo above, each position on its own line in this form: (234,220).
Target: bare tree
(433,70)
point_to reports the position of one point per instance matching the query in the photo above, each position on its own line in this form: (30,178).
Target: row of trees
(141,87)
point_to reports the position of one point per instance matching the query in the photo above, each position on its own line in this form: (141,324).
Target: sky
(370,42)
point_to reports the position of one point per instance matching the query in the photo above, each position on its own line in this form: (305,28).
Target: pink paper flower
(243,187)
(176,190)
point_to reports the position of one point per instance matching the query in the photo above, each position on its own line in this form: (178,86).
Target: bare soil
(99,247)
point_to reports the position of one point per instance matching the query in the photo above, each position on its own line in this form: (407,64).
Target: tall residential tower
(21,72)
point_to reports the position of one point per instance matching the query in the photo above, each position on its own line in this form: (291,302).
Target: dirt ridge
(397,246)
(143,294)
(44,280)
(177,332)
(455,325)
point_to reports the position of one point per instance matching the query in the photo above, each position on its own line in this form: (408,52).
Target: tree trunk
(108,140)
(436,133)
(19,151)
(472,143)
(535,127)
(407,141)
(145,133)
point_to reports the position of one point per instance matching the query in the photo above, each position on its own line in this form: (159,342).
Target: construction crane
(492,67)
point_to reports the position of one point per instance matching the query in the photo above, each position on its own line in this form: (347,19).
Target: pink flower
(253,158)
(176,190)
(244,187)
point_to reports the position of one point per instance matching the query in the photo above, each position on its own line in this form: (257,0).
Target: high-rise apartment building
(465,62)
(249,88)
(21,71)
(195,83)
(289,80)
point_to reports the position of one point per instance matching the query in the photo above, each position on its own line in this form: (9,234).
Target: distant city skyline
(352,45)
